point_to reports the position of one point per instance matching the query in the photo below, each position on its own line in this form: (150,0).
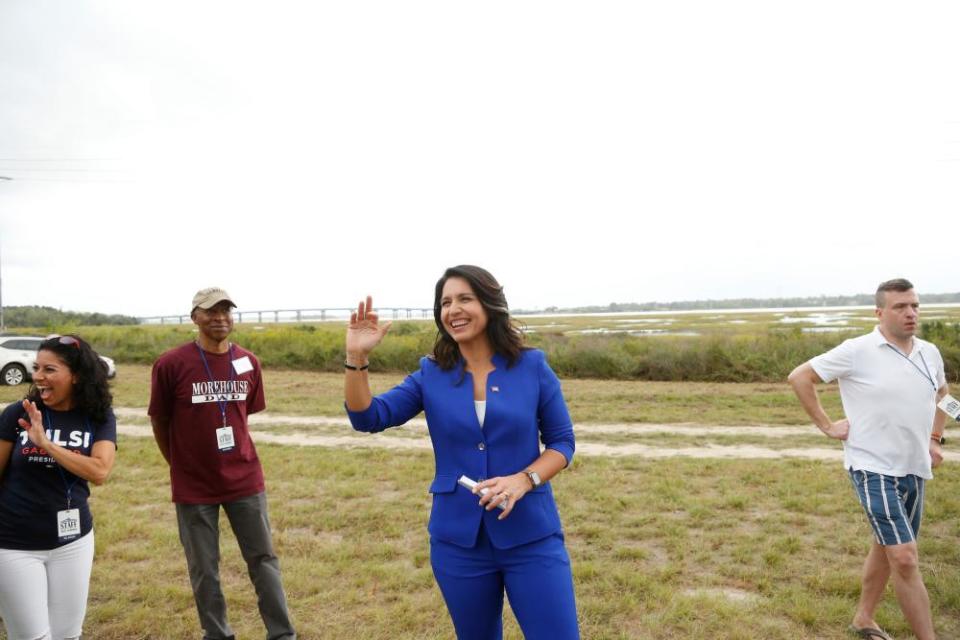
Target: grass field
(670,549)
(716,346)
(321,393)
(663,549)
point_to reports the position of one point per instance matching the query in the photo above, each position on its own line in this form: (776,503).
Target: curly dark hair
(505,336)
(91,393)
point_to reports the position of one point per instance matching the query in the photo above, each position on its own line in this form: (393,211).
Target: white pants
(43,594)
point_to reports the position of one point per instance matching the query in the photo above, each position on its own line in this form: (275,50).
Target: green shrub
(763,356)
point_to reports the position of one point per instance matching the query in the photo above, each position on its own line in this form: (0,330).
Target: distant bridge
(330,314)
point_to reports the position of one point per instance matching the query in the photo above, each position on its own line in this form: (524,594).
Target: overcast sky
(306,154)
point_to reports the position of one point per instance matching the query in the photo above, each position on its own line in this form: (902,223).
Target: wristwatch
(534,477)
(939,439)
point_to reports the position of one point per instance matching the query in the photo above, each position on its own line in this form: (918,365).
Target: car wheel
(13,374)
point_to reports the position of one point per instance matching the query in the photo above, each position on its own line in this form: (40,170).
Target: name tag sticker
(242,365)
(68,523)
(225,439)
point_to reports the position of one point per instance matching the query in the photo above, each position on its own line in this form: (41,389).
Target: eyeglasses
(65,340)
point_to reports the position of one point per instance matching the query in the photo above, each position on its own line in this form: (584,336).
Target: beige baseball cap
(207,298)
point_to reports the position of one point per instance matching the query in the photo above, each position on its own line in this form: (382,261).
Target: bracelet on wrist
(351,367)
(532,483)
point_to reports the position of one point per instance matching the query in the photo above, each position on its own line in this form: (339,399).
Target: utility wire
(54,170)
(75,180)
(60,159)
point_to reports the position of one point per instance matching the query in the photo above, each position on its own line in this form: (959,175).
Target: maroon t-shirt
(183,391)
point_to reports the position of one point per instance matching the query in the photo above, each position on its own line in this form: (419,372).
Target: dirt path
(261,425)
(266,420)
(583,448)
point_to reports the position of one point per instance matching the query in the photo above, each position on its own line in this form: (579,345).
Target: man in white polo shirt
(890,382)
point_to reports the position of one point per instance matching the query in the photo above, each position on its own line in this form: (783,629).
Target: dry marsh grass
(662,549)
(703,346)
(666,549)
(321,393)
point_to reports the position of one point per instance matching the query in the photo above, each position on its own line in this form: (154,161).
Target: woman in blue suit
(489,402)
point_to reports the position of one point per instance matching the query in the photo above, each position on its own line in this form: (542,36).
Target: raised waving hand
(364,332)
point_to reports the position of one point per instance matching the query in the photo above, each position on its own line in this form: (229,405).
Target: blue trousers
(537,579)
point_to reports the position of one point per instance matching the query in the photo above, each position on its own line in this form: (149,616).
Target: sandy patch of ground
(260,428)
(583,448)
(268,420)
(729,593)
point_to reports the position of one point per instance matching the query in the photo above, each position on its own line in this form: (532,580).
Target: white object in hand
(950,406)
(469,484)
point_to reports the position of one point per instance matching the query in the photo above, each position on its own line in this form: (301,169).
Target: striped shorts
(894,505)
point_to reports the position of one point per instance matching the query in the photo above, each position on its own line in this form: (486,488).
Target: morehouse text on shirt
(191,394)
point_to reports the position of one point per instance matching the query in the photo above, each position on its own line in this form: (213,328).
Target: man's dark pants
(199,526)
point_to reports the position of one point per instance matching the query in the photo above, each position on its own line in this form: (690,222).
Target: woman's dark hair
(505,336)
(91,393)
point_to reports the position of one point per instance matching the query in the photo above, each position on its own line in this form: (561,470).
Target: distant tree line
(33,316)
(858,300)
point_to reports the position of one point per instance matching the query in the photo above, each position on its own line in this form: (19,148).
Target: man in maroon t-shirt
(200,396)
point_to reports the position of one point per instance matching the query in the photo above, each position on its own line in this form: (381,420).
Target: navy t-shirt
(34,487)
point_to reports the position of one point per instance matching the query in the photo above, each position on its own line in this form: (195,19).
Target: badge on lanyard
(225,438)
(68,523)
(68,520)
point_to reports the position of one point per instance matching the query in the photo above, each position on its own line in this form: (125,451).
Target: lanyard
(221,403)
(68,485)
(925,372)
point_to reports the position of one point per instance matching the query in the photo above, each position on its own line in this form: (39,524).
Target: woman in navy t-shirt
(60,437)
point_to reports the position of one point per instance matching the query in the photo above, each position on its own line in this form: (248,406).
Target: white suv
(17,354)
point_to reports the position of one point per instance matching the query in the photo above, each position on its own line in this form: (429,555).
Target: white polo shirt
(890,399)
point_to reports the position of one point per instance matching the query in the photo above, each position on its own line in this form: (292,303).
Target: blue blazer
(524,406)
